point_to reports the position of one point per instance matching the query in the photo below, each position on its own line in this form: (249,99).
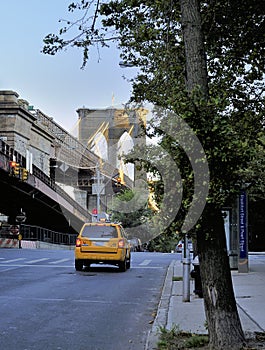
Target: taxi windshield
(100,232)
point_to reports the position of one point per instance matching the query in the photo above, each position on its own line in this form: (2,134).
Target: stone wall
(20,130)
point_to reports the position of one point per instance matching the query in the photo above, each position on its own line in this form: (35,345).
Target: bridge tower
(109,133)
(115,129)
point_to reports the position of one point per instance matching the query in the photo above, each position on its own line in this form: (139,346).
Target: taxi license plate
(99,244)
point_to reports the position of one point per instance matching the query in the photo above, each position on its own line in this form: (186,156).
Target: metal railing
(9,153)
(36,233)
(69,147)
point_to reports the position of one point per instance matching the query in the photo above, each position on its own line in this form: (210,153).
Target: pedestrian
(19,241)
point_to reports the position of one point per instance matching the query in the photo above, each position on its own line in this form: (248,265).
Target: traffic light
(14,168)
(94,211)
(24,175)
(118,183)
(17,169)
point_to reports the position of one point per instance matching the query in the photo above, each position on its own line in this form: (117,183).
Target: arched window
(100,146)
(125,145)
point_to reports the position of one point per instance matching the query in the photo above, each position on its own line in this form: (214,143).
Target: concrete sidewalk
(190,316)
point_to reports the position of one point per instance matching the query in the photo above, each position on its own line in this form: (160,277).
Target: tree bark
(224,326)
(196,68)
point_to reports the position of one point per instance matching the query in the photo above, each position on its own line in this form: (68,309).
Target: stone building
(21,130)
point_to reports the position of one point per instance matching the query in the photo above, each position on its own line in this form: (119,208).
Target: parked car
(102,243)
(136,245)
(180,246)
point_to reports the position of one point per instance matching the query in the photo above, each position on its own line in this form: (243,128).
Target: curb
(162,310)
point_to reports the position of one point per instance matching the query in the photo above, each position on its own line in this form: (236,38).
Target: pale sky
(55,84)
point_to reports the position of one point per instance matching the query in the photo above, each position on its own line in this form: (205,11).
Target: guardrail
(36,233)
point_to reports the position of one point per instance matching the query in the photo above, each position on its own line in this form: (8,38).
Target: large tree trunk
(196,68)
(225,331)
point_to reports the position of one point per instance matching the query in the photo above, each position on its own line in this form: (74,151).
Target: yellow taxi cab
(102,243)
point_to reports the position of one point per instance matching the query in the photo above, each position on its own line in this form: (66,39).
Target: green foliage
(163,243)
(230,122)
(226,112)
(130,218)
(174,339)
(196,341)
(177,278)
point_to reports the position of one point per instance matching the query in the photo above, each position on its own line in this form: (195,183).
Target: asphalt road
(46,304)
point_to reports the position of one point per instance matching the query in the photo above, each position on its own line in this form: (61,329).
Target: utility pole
(186,272)
(98,189)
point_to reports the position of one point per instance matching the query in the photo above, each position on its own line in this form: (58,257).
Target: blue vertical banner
(243,236)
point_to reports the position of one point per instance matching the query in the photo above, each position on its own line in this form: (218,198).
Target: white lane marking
(59,261)
(31,298)
(14,267)
(12,260)
(3,297)
(145,262)
(148,267)
(32,265)
(50,266)
(35,261)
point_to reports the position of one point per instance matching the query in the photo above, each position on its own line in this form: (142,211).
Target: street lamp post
(98,189)
(186,272)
